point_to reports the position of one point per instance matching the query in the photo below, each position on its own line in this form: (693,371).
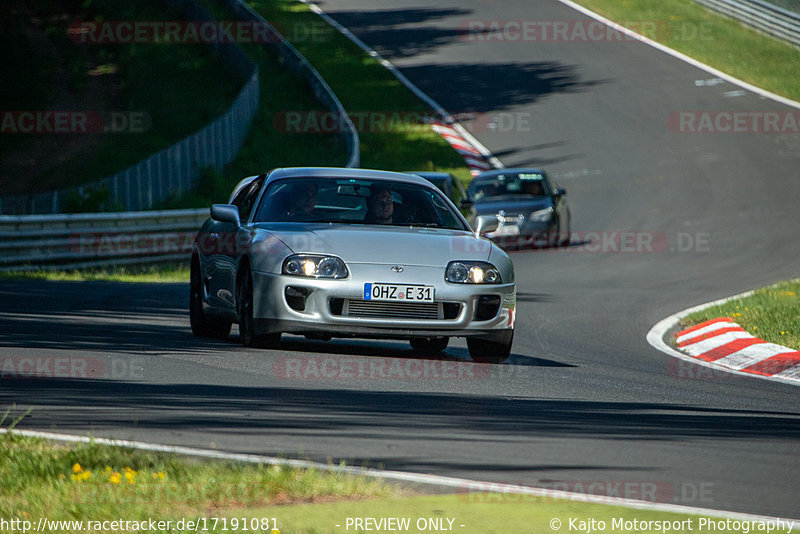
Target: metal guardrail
(175,170)
(768,18)
(34,242)
(293,59)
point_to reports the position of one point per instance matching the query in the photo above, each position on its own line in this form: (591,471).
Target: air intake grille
(393,310)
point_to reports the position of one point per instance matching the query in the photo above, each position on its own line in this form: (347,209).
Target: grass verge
(90,483)
(488,513)
(289,128)
(178,87)
(718,41)
(148,273)
(771,313)
(44,479)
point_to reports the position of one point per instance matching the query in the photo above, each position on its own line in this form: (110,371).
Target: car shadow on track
(117,318)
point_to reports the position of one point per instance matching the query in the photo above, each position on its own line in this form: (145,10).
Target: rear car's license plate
(398,292)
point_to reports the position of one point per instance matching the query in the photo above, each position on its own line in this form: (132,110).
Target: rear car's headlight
(472,272)
(314,266)
(541,215)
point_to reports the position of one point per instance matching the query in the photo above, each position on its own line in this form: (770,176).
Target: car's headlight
(314,266)
(541,215)
(472,272)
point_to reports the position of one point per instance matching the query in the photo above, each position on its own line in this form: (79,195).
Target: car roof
(431,174)
(510,170)
(342,172)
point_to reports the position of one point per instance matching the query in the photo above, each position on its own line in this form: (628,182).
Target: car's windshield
(356,201)
(500,185)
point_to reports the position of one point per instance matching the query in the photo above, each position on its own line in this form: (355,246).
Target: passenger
(380,206)
(532,187)
(488,190)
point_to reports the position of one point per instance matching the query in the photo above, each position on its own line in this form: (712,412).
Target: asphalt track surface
(583,398)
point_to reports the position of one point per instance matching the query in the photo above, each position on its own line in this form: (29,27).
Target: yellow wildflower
(77,468)
(114,478)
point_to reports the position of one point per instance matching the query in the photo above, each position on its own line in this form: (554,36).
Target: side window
(247,197)
(551,184)
(458,190)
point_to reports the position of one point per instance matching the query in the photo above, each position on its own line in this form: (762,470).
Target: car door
(231,240)
(560,204)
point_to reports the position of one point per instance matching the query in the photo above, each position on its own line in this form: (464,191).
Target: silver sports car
(326,252)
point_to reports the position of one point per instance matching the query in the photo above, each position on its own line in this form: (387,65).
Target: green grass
(40,478)
(478,512)
(771,313)
(713,39)
(178,87)
(156,273)
(91,482)
(363,86)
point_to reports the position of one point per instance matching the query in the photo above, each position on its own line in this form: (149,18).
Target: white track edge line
(656,339)
(388,65)
(656,334)
(683,57)
(419,478)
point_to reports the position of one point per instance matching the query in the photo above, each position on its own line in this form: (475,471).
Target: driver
(302,203)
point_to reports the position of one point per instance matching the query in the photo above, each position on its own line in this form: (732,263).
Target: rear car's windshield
(356,201)
(514,184)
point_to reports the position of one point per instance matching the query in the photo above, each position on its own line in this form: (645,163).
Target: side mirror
(225,213)
(560,192)
(466,204)
(485,224)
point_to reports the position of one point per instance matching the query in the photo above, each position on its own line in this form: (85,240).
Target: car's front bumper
(529,234)
(460,309)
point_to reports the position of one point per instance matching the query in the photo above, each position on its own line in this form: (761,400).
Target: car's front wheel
(203,325)
(244,307)
(490,351)
(429,345)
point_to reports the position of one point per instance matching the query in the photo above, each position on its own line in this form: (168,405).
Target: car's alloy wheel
(244,307)
(202,324)
(486,351)
(429,345)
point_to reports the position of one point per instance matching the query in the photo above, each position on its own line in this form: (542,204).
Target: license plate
(398,292)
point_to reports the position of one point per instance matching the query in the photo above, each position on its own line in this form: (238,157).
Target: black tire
(203,325)
(429,345)
(244,307)
(488,351)
(566,241)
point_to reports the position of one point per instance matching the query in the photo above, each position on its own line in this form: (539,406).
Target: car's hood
(376,244)
(512,207)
